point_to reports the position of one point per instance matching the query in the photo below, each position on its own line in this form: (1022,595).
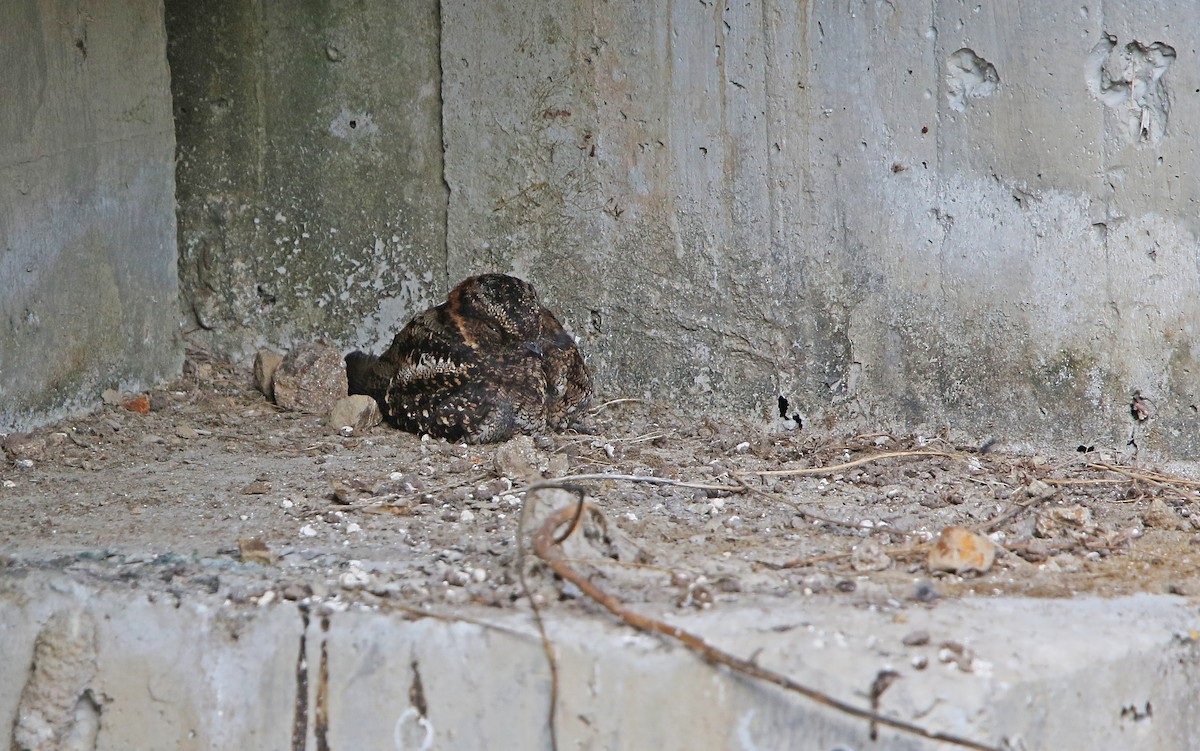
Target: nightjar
(489,362)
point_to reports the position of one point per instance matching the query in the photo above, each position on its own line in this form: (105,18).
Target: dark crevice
(321,720)
(300,718)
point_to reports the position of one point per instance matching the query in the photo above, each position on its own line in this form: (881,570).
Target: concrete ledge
(203,672)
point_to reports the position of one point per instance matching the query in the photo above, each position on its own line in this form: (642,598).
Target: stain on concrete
(59,711)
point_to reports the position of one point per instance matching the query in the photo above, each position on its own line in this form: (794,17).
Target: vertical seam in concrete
(300,716)
(260,107)
(321,719)
(441,71)
(939,144)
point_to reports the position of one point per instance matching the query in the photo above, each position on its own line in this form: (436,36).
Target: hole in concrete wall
(968,76)
(784,407)
(1131,81)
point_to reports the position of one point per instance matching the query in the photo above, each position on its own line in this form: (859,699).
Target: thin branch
(811,516)
(547,647)
(561,482)
(546,549)
(1017,508)
(840,467)
(1146,475)
(611,402)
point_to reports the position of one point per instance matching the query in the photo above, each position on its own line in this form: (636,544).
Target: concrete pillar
(88,280)
(311,199)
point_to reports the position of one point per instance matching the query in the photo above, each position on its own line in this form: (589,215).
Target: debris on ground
(689,512)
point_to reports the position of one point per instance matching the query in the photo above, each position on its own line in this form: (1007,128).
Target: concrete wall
(137,669)
(311,198)
(938,215)
(88,281)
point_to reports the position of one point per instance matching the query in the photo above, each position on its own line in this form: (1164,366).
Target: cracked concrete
(205,673)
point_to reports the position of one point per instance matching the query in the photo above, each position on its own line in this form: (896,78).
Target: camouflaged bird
(489,362)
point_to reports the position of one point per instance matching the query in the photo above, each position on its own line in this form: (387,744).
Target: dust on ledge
(214,491)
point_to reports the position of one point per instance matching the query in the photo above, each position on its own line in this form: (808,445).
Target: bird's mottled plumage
(489,362)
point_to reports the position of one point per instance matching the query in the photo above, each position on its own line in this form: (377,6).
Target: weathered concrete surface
(88,281)
(922,216)
(311,200)
(201,673)
(932,215)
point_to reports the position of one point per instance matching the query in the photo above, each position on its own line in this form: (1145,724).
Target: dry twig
(546,547)
(1017,508)
(846,465)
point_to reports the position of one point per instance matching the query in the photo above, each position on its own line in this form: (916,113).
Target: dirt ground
(216,490)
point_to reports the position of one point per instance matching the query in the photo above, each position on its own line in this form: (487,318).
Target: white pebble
(308,531)
(9,484)
(742,447)
(354,578)
(396,476)
(286,503)
(467,515)
(479,575)
(25,463)
(353,527)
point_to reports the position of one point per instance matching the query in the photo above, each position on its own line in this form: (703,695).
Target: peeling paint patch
(393,311)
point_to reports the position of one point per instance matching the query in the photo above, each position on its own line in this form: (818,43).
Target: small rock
(308,531)
(254,550)
(916,639)
(265,364)
(295,592)
(139,404)
(354,578)
(953,653)
(960,550)
(358,412)
(201,372)
(1162,516)
(258,487)
(499,486)
(310,379)
(186,433)
(869,556)
(924,591)
(1074,521)
(343,493)
(518,459)
(112,397)
(18,446)
(1038,488)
